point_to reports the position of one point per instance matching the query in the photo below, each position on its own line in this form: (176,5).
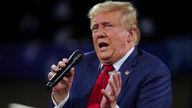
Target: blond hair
(129,18)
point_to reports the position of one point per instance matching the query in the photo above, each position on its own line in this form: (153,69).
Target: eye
(108,25)
(94,27)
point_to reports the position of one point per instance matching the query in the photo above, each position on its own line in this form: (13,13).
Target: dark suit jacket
(147,84)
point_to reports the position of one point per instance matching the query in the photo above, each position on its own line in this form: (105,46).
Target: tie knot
(108,68)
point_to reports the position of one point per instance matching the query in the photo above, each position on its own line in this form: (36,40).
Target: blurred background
(35,34)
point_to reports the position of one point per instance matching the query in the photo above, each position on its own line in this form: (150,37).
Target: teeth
(102,44)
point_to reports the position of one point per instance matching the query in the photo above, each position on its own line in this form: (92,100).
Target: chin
(105,59)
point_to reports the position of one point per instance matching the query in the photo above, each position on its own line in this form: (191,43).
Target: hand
(61,90)
(111,93)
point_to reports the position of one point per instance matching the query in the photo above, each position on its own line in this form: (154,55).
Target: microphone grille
(77,56)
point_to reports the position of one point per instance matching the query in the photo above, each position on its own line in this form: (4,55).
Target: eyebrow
(103,23)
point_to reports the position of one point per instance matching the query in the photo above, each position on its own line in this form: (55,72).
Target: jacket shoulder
(146,57)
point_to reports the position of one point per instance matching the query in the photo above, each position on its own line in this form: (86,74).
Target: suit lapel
(127,67)
(92,72)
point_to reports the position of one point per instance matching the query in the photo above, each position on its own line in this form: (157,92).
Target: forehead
(112,16)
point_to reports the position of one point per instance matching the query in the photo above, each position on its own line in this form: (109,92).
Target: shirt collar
(118,64)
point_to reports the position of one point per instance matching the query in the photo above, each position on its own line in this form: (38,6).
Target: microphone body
(75,58)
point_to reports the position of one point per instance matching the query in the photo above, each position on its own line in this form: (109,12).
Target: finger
(116,80)
(65,60)
(61,64)
(113,87)
(71,74)
(119,78)
(69,78)
(54,68)
(50,75)
(108,96)
(118,84)
(115,84)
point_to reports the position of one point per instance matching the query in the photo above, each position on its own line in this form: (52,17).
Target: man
(139,79)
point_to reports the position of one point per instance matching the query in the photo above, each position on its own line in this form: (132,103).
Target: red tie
(101,83)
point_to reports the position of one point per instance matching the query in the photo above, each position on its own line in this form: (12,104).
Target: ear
(131,35)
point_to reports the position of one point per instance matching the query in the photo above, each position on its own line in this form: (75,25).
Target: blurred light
(62,36)
(17,105)
(147,26)
(180,50)
(61,11)
(31,52)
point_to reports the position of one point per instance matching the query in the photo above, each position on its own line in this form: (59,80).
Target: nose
(100,32)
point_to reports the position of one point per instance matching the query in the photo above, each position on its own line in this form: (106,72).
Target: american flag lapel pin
(126,72)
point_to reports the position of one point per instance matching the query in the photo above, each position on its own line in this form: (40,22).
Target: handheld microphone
(75,58)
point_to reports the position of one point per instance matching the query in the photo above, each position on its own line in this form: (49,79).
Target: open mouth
(103,44)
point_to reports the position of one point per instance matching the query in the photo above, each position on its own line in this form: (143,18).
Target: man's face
(111,40)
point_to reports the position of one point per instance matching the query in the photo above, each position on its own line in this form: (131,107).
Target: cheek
(118,43)
(121,38)
(94,41)
(93,38)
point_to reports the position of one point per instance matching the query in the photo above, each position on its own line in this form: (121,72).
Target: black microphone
(75,58)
